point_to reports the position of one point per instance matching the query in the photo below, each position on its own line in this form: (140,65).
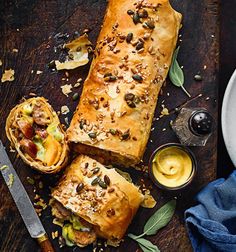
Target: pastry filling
(75,230)
(37,131)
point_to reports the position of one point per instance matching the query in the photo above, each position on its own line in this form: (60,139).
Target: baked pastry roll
(34,130)
(100,199)
(131,62)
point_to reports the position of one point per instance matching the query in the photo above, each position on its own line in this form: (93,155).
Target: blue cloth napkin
(212,223)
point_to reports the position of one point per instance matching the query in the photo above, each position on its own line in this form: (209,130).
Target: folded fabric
(212,223)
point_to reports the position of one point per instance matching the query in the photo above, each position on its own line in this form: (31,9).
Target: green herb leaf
(176,74)
(144,244)
(160,218)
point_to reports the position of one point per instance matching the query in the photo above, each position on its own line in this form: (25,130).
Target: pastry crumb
(66,89)
(39,72)
(77,54)
(54,234)
(15,50)
(164,111)
(8,75)
(65,110)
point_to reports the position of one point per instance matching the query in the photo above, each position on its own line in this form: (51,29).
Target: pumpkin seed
(95,181)
(110,78)
(137,77)
(75,96)
(136,18)
(102,184)
(107,180)
(107,75)
(150,24)
(129,37)
(81,124)
(125,135)
(96,170)
(92,135)
(131,104)
(129,98)
(112,131)
(79,187)
(130,12)
(139,45)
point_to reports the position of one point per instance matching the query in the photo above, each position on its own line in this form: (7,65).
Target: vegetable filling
(37,131)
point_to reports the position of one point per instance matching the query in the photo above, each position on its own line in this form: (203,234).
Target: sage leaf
(144,244)
(176,74)
(160,218)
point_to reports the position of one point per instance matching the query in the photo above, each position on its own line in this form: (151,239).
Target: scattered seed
(30,180)
(102,184)
(197,77)
(79,187)
(95,181)
(107,180)
(129,37)
(110,190)
(125,135)
(96,170)
(137,78)
(141,50)
(110,78)
(129,98)
(107,75)
(81,124)
(139,45)
(75,96)
(92,135)
(136,18)
(149,24)
(130,12)
(112,131)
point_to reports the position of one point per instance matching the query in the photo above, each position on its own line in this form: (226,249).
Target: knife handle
(45,244)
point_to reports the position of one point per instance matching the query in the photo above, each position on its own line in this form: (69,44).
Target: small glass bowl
(192,175)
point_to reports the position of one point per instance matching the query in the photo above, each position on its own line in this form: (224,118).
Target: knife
(23,203)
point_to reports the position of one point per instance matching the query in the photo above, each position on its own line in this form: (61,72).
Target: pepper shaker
(193,126)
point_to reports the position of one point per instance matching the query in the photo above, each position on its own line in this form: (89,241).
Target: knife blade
(22,200)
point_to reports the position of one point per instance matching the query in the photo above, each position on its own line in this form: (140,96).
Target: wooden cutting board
(32,27)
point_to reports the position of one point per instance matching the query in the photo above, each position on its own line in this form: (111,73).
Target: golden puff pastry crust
(109,204)
(34,130)
(132,58)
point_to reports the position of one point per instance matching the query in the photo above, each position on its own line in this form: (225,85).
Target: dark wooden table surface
(31,25)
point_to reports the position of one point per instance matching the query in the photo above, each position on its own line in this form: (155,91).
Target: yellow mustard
(172,166)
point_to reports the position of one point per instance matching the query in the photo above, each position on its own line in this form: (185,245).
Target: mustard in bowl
(172,166)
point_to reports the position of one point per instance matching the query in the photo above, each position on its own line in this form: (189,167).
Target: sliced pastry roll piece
(99,200)
(34,130)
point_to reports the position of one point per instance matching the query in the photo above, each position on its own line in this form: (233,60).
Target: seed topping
(107,180)
(79,187)
(137,78)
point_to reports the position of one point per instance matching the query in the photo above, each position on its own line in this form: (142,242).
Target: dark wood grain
(38,22)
